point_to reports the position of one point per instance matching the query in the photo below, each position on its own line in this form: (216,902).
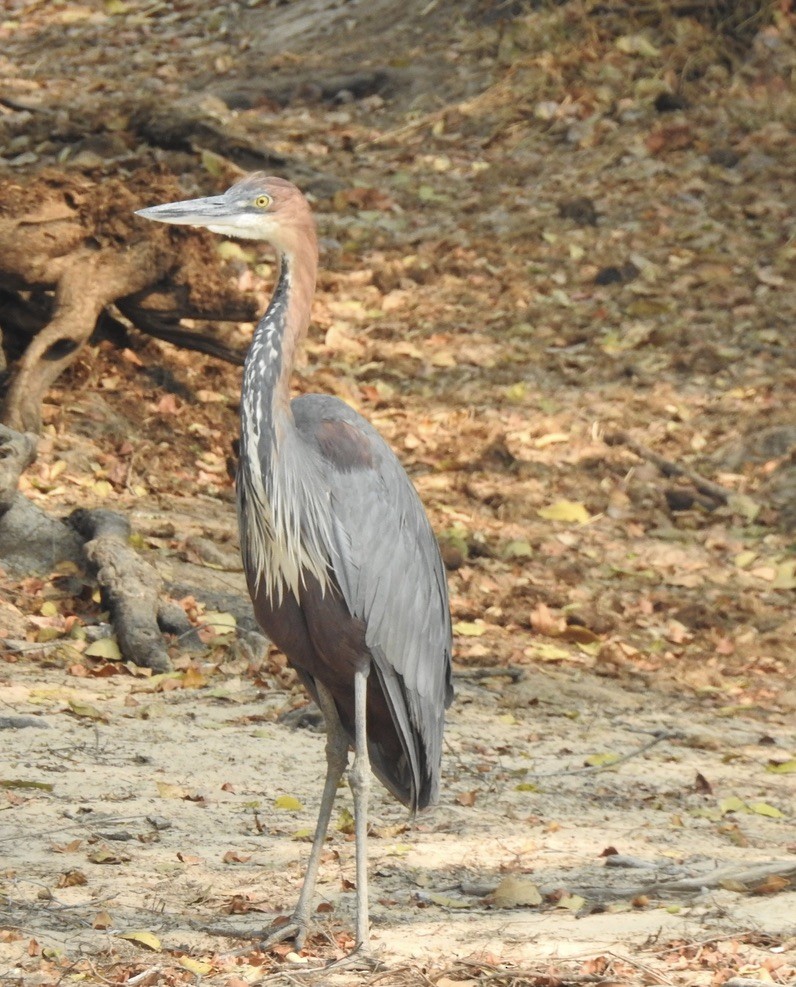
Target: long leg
(359,779)
(336,762)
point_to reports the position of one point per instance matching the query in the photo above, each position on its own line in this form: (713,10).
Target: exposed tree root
(670,468)
(132,590)
(29,539)
(81,241)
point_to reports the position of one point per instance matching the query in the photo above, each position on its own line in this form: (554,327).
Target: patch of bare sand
(170,784)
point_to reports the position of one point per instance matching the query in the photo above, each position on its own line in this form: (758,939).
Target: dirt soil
(554,242)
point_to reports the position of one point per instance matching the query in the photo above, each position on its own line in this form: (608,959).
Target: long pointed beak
(191,212)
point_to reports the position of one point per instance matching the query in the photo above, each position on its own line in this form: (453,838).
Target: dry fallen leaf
(570,511)
(143,938)
(288,802)
(516,892)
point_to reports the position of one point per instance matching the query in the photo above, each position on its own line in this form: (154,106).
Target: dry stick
(491,973)
(513,672)
(594,768)
(467,106)
(669,468)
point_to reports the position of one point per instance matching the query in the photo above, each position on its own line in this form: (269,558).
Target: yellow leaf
(105,647)
(345,822)
(469,628)
(288,802)
(782,767)
(551,439)
(785,577)
(572,902)
(86,710)
(764,809)
(547,652)
(221,623)
(445,901)
(508,718)
(744,559)
(168,791)
(192,678)
(516,393)
(143,938)
(565,510)
(637,44)
(601,760)
(48,609)
(526,786)
(198,967)
(518,549)
(212,163)
(731,804)
(744,505)
(43,786)
(516,892)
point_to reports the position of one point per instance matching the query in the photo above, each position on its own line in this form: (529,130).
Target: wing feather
(387,563)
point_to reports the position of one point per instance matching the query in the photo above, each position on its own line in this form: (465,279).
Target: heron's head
(259,207)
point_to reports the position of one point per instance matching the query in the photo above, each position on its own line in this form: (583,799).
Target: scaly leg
(336,762)
(359,780)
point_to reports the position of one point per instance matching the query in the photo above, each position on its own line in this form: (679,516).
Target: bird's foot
(362,957)
(295,928)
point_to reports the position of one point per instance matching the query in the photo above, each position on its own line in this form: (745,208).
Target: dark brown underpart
(322,641)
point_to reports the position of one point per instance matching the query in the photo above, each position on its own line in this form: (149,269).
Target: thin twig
(595,768)
(513,672)
(670,468)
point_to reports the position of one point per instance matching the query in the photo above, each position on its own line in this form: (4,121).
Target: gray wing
(387,563)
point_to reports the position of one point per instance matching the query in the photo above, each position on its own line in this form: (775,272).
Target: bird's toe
(293,929)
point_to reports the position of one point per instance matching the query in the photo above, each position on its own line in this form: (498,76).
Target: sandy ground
(164,813)
(148,808)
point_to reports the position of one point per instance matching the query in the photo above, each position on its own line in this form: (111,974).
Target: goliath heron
(342,566)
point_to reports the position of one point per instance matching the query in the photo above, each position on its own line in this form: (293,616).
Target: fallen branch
(750,880)
(670,468)
(77,248)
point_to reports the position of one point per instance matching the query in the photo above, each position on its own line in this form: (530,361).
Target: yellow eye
(262,201)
